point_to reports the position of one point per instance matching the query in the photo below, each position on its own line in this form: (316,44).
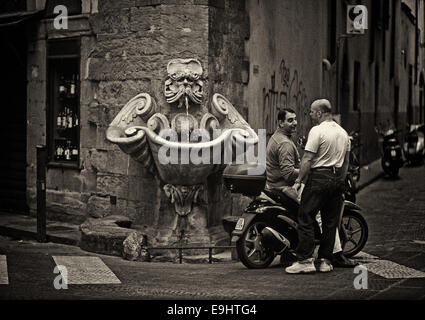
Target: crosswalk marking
(4,279)
(86,270)
(386,268)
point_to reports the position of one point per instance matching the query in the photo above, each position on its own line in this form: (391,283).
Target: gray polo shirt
(281,160)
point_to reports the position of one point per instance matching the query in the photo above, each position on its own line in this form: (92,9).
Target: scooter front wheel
(354,231)
(250,248)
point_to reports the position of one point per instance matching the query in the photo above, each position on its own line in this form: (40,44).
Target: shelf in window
(68,97)
(59,129)
(64,164)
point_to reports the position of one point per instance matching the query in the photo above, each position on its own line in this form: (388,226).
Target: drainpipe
(41,193)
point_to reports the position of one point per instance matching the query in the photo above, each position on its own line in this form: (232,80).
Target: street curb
(366,184)
(369,174)
(29,235)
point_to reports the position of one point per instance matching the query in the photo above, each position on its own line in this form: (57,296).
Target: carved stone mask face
(183,81)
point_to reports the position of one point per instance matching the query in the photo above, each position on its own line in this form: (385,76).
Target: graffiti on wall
(287,91)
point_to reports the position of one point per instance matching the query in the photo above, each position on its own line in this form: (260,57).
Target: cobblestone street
(394,255)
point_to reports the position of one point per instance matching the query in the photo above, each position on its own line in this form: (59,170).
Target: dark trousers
(323,191)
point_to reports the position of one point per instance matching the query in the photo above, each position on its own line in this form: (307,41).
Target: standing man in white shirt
(324,167)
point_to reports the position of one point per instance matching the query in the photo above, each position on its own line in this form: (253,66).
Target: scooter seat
(282,199)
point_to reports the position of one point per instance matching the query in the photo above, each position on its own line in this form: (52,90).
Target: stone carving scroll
(137,127)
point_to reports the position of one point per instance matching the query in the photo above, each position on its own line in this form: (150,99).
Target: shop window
(73,7)
(63,112)
(13,6)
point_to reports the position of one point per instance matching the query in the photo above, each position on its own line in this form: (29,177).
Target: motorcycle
(353,173)
(354,167)
(268,227)
(414,148)
(392,156)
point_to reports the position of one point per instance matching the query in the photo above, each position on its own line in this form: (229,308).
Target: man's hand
(298,187)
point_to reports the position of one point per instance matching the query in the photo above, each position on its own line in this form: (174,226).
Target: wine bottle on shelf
(69,118)
(72,86)
(74,153)
(64,117)
(62,86)
(75,119)
(68,151)
(59,152)
(59,120)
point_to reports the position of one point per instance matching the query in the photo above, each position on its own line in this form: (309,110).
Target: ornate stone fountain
(169,145)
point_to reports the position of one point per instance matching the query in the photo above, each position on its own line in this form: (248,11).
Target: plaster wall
(285,51)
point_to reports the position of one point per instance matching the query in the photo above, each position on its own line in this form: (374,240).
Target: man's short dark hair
(282,113)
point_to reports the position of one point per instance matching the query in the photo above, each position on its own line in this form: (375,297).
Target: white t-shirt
(329,141)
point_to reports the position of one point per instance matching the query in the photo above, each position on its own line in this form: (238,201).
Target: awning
(15,18)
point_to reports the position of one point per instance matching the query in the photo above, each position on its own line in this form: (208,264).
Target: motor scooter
(354,167)
(268,226)
(392,154)
(414,149)
(353,173)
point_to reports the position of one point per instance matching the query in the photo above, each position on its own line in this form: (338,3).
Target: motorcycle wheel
(250,249)
(354,233)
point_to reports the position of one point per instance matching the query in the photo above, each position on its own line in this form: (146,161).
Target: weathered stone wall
(228,74)
(125,49)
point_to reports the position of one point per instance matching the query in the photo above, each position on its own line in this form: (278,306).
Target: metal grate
(180,250)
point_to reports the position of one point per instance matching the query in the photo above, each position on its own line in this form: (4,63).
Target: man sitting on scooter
(282,169)
(282,160)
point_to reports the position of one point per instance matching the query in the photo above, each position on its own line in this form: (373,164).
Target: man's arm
(306,162)
(311,147)
(287,163)
(345,165)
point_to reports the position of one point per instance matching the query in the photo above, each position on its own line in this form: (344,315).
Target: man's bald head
(320,110)
(322,105)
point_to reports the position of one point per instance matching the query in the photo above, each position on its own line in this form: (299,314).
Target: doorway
(13,130)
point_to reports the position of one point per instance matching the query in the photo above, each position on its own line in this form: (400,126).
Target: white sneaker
(304,266)
(325,265)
